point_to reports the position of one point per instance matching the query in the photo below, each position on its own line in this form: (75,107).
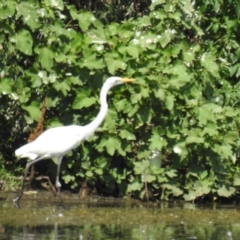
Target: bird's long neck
(103,110)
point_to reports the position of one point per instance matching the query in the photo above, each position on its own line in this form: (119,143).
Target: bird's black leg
(16,199)
(57,183)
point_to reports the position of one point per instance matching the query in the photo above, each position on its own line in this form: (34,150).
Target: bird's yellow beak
(126,80)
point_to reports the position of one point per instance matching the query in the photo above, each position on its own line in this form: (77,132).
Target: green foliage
(175,131)
(7,179)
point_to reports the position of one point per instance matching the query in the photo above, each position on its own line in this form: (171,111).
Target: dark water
(117,220)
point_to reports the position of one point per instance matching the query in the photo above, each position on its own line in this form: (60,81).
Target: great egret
(58,141)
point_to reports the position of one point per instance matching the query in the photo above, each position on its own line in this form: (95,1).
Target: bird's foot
(17,199)
(58,185)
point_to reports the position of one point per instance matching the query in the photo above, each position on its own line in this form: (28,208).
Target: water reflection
(113,231)
(36,220)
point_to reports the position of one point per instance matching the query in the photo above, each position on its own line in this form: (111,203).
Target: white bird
(58,141)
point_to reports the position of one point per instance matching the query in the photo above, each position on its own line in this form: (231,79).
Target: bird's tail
(25,152)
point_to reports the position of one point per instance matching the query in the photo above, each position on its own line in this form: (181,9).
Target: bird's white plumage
(56,142)
(53,142)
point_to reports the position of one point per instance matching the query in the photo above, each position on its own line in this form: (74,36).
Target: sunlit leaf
(166,37)
(140,167)
(46,57)
(55,4)
(28,13)
(208,60)
(159,94)
(169,101)
(194,139)
(5,85)
(133,51)
(174,190)
(127,135)
(226,191)
(33,110)
(68,178)
(111,144)
(84,18)
(236,179)
(148,178)
(7,8)
(114,64)
(24,42)
(135,186)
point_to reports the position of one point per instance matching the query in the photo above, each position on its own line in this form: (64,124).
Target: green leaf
(6,85)
(230,111)
(190,196)
(114,64)
(159,93)
(24,42)
(121,104)
(236,178)
(224,150)
(194,139)
(127,135)
(156,3)
(135,186)
(188,56)
(141,167)
(7,8)
(206,112)
(29,13)
(155,159)
(203,174)
(169,102)
(174,190)
(92,62)
(166,37)
(171,173)
(133,51)
(110,120)
(63,87)
(208,62)
(226,191)
(198,29)
(47,79)
(68,178)
(111,145)
(187,6)
(84,18)
(200,188)
(54,122)
(179,75)
(74,80)
(133,110)
(58,4)
(82,100)
(238,10)
(98,171)
(33,110)
(210,129)
(79,103)
(157,142)
(148,178)
(231,137)
(89,174)
(45,57)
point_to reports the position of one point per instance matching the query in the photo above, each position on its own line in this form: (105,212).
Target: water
(125,220)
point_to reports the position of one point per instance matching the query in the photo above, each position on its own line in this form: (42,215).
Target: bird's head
(113,81)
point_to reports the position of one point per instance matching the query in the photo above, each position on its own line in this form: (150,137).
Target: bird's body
(54,142)
(58,141)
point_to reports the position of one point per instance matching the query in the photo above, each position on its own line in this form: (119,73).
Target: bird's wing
(53,142)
